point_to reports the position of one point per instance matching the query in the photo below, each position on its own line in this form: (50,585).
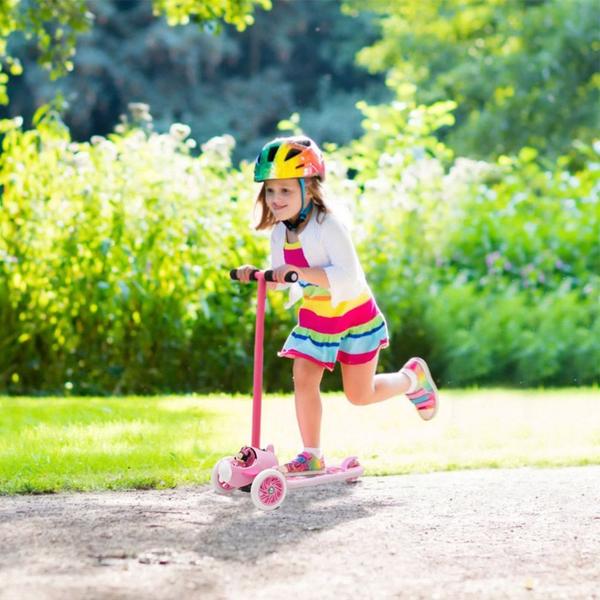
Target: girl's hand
(244,271)
(280,272)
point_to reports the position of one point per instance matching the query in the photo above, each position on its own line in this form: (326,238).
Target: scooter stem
(258,359)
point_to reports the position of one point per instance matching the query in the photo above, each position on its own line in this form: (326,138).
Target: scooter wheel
(350,463)
(268,489)
(218,486)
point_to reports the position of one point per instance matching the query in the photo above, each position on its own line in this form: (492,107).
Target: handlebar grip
(290,277)
(233,274)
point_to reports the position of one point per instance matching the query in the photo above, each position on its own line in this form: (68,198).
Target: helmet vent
(272,153)
(293,152)
(304,142)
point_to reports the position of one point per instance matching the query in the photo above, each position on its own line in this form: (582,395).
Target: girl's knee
(357,396)
(359,382)
(306,373)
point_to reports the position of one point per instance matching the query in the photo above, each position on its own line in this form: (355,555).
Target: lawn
(53,444)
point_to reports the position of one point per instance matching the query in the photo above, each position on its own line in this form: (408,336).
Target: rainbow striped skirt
(352,333)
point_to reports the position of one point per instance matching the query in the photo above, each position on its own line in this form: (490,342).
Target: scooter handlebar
(290,276)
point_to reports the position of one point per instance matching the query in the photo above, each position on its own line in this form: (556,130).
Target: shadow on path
(239,529)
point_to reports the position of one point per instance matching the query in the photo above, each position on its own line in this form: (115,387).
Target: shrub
(114,258)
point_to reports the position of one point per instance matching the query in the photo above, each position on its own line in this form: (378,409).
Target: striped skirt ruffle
(351,333)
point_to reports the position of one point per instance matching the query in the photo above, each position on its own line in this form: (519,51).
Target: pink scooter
(254,469)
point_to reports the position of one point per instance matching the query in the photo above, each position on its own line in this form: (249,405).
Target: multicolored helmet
(289,157)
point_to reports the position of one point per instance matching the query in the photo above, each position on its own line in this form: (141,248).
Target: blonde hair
(314,191)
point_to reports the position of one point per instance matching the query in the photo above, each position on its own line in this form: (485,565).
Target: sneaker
(304,464)
(425,395)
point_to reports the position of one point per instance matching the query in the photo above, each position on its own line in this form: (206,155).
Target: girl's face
(284,198)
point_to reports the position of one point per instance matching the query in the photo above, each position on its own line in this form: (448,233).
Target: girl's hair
(314,192)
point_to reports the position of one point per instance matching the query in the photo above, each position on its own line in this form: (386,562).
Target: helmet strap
(304,210)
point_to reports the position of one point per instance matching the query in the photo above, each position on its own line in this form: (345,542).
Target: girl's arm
(344,273)
(314,275)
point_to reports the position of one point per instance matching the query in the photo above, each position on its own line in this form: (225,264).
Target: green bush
(491,270)
(515,337)
(114,258)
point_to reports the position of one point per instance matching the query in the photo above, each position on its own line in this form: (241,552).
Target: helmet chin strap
(304,210)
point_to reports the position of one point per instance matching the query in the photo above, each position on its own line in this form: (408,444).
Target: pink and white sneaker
(424,394)
(304,464)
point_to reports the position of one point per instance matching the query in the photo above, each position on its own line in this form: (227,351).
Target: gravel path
(522,533)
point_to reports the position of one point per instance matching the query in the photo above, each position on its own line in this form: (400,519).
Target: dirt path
(521,533)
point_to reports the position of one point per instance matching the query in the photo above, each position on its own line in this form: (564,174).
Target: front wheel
(268,489)
(219,486)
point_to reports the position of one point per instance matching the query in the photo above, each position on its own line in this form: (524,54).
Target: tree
(523,73)
(56,25)
(293,59)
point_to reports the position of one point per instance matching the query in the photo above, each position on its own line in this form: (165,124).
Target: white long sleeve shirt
(326,245)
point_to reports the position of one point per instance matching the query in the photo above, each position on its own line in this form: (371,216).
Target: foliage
(216,82)
(491,265)
(236,12)
(56,25)
(113,257)
(521,73)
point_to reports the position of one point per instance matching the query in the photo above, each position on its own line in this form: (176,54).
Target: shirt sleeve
(344,273)
(276,254)
(276,259)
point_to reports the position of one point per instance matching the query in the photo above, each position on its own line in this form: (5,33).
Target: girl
(338,319)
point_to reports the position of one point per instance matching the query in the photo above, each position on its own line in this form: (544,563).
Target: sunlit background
(459,136)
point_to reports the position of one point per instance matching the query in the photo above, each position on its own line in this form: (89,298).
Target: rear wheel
(350,463)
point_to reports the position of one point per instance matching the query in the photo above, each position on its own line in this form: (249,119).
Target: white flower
(82,160)
(221,144)
(466,170)
(109,149)
(140,111)
(179,131)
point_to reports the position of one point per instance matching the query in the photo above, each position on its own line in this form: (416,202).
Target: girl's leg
(307,380)
(362,386)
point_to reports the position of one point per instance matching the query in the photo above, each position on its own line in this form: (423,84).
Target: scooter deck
(331,474)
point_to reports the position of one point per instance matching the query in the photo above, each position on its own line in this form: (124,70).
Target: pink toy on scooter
(254,468)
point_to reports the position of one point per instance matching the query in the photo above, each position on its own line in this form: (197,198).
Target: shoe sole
(437,395)
(302,473)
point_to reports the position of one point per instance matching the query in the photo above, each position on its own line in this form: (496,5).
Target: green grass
(54,444)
